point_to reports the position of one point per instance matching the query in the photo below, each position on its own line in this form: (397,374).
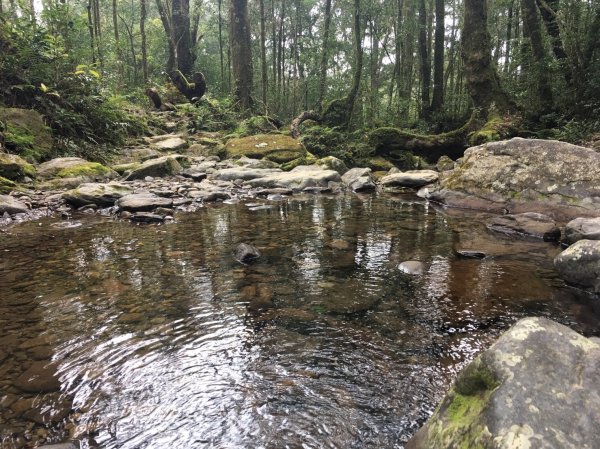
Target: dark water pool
(155,337)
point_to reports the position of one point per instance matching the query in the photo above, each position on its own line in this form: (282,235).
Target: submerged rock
(525,175)
(412,267)
(40,377)
(147,217)
(94,193)
(582,229)
(11,205)
(246,253)
(536,387)
(529,223)
(579,264)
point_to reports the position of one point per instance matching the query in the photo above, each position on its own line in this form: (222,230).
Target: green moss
(309,159)
(122,168)
(26,134)
(6,186)
(89,169)
(274,147)
(255,125)
(14,167)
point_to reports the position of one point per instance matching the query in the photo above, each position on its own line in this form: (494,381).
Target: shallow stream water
(153,336)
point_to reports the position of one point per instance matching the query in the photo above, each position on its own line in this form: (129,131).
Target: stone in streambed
(74,167)
(582,229)
(147,217)
(246,253)
(95,193)
(536,387)
(40,377)
(158,168)
(529,223)
(10,205)
(579,264)
(142,202)
(412,179)
(412,267)
(359,180)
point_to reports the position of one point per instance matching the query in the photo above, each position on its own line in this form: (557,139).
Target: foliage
(210,114)
(323,141)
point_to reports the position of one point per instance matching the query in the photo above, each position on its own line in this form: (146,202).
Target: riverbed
(154,336)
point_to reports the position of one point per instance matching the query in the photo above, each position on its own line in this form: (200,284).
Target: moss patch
(89,169)
(6,186)
(15,168)
(309,159)
(26,134)
(274,147)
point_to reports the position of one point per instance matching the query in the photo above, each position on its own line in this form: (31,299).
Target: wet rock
(95,193)
(10,205)
(74,167)
(274,191)
(529,223)
(142,202)
(525,175)
(245,173)
(256,163)
(196,176)
(147,217)
(582,229)
(470,254)
(274,147)
(260,297)
(412,179)
(40,377)
(579,264)
(412,267)
(339,244)
(359,180)
(537,386)
(14,168)
(444,163)
(246,253)
(169,143)
(158,168)
(59,446)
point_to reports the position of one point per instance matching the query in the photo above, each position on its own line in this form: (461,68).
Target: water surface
(159,338)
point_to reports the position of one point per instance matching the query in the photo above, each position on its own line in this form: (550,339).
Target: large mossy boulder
(159,167)
(74,167)
(15,168)
(273,147)
(537,387)
(26,133)
(525,175)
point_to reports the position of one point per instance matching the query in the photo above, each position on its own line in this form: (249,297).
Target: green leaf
(94,74)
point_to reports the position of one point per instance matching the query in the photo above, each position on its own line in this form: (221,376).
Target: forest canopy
(418,65)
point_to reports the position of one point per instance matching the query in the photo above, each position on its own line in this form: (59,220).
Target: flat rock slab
(74,167)
(245,173)
(537,387)
(579,264)
(412,179)
(174,143)
(412,267)
(95,193)
(582,229)
(529,223)
(274,147)
(11,205)
(142,202)
(525,175)
(299,178)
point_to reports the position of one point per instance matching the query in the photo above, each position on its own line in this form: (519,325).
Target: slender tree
(241,52)
(437,100)
(324,55)
(424,60)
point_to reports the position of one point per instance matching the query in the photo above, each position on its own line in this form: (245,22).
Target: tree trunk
(358,62)
(143,36)
(507,55)
(91,30)
(263,55)
(438,57)
(241,52)
(533,32)
(165,18)
(180,16)
(324,55)
(424,59)
(221,54)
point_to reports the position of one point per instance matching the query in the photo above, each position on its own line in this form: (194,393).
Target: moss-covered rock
(15,168)
(159,167)
(6,186)
(74,167)
(309,159)
(333,163)
(274,147)
(379,163)
(124,168)
(26,134)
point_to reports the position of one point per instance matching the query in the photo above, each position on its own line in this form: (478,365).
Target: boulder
(299,178)
(579,264)
(172,143)
(27,125)
(582,229)
(158,168)
(245,173)
(412,179)
(246,253)
(529,223)
(74,167)
(142,202)
(444,163)
(14,168)
(536,387)
(11,205)
(525,175)
(274,147)
(333,163)
(94,193)
(359,180)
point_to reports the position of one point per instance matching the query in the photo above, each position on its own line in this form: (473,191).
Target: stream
(154,336)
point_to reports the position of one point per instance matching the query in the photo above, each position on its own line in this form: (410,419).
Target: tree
(438,57)
(241,53)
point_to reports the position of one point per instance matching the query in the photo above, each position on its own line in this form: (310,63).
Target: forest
(425,75)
